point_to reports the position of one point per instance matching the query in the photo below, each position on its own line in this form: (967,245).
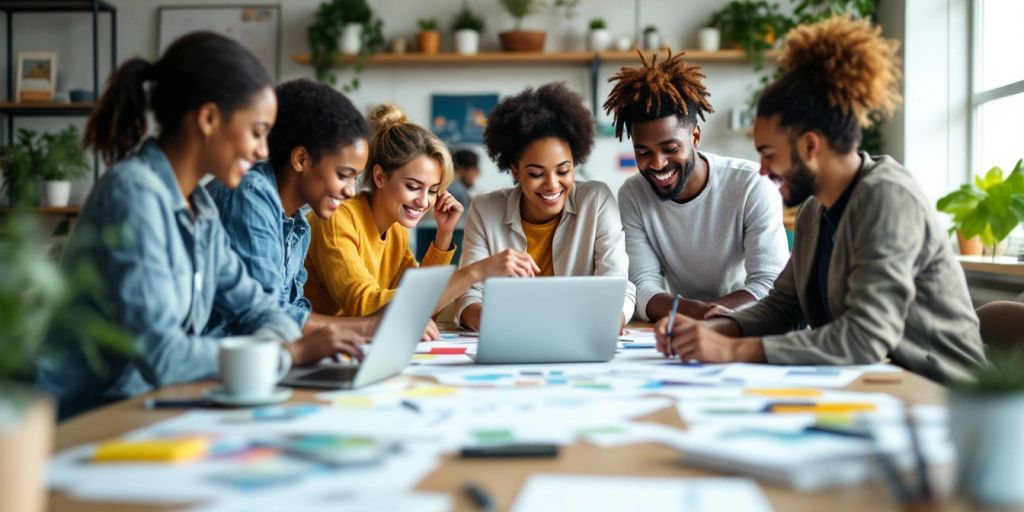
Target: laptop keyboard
(343,373)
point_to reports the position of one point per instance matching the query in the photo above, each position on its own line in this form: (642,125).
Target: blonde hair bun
(387,115)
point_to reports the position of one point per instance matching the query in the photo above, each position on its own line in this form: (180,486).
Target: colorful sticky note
(448,350)
(494,435)
(785,392)
(428,391)
(152,450)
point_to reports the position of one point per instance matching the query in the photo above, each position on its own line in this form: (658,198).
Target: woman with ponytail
(871,270)
(154,235)
(357,256)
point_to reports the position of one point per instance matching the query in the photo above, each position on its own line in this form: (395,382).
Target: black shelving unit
(11,109)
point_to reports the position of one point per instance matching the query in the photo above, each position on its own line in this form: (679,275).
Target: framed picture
(36,76)
(461,118)
(256,27)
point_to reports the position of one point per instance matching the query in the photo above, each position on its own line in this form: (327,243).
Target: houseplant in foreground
(989,208)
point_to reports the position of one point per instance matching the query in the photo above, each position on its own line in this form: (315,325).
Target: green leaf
(975,222)
(1017,207)
(993,177)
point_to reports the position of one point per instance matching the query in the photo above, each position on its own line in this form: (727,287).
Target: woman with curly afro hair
(872,272)
(567,227)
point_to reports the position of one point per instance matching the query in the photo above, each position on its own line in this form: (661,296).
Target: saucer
(218,396)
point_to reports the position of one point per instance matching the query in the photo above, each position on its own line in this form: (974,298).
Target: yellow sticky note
(427,391)
(785,392)
(354,401)
(825,408)
(423,357)
(152,450)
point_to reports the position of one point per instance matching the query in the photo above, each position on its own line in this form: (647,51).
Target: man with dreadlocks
(706,224)
(871,272)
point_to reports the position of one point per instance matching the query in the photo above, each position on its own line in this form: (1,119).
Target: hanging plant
(328,23)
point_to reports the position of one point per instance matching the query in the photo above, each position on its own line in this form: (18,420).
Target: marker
(478,495)
(411,406)
(178,403)
(671,320)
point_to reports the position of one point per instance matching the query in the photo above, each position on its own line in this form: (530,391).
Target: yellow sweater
(352,271)
(539,238)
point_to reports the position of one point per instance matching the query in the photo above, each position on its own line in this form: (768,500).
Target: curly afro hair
(551,110)
(653,91)
(315,116)
(838,75)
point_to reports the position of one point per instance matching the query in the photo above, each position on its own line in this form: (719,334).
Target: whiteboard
(256,27)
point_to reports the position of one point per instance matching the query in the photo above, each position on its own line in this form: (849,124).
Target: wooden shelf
(69,211)
(1005,265)
(485,58)
(46,108)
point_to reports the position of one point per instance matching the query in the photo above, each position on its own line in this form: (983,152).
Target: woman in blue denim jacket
(154,235)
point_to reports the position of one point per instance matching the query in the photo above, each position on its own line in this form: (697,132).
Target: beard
(685,172)
(801,182)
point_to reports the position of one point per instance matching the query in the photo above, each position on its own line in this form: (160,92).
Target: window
(997,95)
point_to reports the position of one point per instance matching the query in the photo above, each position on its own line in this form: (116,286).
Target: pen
(671,320)
(164,403)
(411,406)
(478,495)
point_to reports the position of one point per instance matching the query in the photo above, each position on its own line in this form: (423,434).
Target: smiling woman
(567,228)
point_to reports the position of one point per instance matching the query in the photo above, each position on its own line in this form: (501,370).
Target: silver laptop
(550,319)
(395,340)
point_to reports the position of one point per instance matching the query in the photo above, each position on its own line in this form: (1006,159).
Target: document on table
(567,493)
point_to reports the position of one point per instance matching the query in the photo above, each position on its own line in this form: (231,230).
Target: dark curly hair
(315,116)
(551,110)
(656,90)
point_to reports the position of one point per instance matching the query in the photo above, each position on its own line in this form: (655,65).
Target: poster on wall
(461,118)
(256,27)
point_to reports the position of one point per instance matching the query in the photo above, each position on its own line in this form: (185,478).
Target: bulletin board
(256,27)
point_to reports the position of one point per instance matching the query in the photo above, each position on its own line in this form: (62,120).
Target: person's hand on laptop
(431,333)
(326,342)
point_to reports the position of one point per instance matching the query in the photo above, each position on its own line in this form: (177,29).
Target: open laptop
(550,319)
(395,340)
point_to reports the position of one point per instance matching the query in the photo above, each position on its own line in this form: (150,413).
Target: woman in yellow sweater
(358,255)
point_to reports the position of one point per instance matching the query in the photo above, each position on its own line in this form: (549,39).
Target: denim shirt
(165,269)
(271,244)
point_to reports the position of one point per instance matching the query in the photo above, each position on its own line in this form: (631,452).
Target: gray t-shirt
(728,238)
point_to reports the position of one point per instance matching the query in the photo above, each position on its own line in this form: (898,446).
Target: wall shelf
(1004,265)
(47,109)
(534,58)
(69,211)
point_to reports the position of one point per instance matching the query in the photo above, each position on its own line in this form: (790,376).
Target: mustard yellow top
(538,243)
(352,271)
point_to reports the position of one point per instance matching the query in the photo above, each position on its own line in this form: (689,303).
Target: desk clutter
(368,449)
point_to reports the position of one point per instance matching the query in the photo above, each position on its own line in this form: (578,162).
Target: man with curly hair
(707,225)
(318,147)
(872,272)
(568,227)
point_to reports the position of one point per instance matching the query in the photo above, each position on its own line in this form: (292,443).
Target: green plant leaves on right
(990,207)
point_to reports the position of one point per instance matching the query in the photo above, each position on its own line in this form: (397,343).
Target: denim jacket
(271,244)
(165,269)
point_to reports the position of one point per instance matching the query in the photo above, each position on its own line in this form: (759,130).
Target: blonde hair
(396,142)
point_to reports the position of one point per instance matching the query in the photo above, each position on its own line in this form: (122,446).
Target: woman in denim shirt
(154,235)
(318,147)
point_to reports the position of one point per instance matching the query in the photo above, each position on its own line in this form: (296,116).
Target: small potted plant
(598,38)
(751,25)
(467,27)
(985,424)
(20,174)
(989,209)
(520,40)
(709,39)
(63,161)
(652,39)
(428,39)
(343,27)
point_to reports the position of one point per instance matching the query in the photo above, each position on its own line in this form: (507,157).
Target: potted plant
(34,295)
(709,39)
(20,172)
(751,25)
(520,40)
(467,27)
(652,39)
(428,39)
(340,24)
(985,418)
(64,160)
(990,208)
(598,38)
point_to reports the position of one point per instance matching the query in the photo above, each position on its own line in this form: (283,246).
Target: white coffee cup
(250,366)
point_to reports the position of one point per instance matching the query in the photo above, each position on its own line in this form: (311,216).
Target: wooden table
(503,479)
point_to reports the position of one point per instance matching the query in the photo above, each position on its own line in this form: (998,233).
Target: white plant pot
(652,40)
(599,40)
(56,193)
(709,39)
(351,40)
(989,440)
(624,44)
(467,42)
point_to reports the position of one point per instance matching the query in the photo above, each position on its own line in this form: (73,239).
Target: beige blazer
(895,288)
(588,241)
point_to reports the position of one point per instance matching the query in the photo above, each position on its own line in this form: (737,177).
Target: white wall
(730,84)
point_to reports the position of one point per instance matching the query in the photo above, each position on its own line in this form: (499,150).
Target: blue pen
(671,320)
(479,496)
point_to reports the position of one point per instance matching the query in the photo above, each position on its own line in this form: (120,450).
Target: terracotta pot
(970,247)
(522,41)
(26,441)
(428,42)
